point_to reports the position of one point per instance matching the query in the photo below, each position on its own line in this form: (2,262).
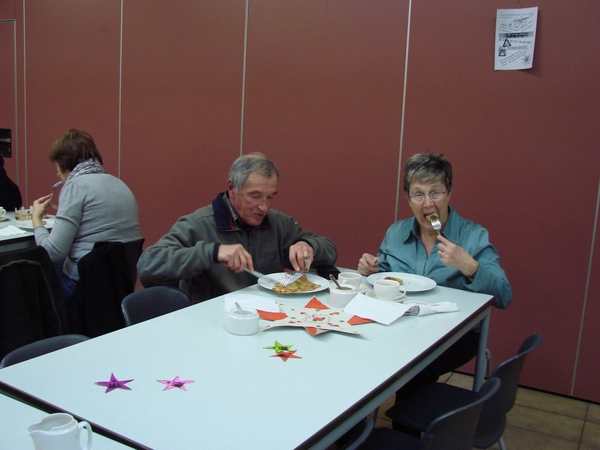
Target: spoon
(338,284)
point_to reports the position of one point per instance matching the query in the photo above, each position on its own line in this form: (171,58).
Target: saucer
(399,299)
(3,218)
(363,288)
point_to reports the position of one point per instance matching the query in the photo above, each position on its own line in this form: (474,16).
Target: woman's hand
(367,265)
(455,256)
(39,209)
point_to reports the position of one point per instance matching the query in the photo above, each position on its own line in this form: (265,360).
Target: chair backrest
(41,347)
(152,302)
(509,373)
(133,251)
(455,430)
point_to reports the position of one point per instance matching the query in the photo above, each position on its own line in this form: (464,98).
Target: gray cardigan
(92,208)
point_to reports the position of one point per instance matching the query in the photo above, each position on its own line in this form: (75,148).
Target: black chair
(41,347)
(356,436)
(152,302)
(453,430)
(107,275)
(417,410)
(32,305)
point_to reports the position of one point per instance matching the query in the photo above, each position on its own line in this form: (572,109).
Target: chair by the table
(107,275)
(41,347)
(152,302)
(32,305)
(453,430)
(417,410)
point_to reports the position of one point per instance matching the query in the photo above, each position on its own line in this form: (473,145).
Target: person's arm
(178,255)
(66,224)
(324,251)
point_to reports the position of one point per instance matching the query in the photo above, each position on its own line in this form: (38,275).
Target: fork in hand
(436,224)
(285,280)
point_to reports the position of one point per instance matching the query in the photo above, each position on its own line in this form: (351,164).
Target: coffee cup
(341,297)
(351,278)
(59,431)
(242,322)
(386,289)
(2,211)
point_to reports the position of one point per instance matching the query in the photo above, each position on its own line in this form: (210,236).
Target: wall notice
(515,38)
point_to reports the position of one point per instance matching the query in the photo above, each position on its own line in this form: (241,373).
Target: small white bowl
(340,298)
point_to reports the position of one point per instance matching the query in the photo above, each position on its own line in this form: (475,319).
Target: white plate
(268,282)
(399,299)
(28,224)
(412,283)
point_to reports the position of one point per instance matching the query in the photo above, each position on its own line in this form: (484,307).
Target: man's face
(253,200)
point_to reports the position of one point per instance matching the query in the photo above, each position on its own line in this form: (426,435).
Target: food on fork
(399,280)
(430,217)
(300,285)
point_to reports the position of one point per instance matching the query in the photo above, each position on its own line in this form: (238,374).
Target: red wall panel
(522,145)
(182,96)
(71,81)
(323,99)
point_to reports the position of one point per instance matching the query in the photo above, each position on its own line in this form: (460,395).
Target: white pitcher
(59,432)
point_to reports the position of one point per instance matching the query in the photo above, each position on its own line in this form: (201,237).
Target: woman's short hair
(427,167)
(251,163)
(74,147)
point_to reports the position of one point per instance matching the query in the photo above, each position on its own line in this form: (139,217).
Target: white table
(16,416)
(242,397)
(15,242)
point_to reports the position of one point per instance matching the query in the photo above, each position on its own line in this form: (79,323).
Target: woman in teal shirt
(461,257)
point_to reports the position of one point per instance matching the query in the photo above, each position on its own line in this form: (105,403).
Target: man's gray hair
(251,163)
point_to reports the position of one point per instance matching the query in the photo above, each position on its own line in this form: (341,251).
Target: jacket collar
(226,217)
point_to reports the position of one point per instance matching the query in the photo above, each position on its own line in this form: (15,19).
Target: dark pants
(460,353)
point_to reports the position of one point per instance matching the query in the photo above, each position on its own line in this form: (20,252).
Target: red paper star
(114,384)
(286,355)
(175,383)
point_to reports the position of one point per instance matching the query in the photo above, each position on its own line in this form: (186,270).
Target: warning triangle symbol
(506,43)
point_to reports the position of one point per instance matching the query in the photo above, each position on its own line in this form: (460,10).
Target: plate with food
(28,224)
(410,282)
(306,284)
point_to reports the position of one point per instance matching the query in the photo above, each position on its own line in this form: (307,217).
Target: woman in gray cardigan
(94,207)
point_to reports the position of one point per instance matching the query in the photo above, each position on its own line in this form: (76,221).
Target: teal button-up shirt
(404,252)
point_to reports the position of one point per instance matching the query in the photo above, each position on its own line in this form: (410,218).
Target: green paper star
(278,348)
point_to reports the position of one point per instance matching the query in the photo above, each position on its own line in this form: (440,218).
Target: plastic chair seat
(41,347)
(152,302)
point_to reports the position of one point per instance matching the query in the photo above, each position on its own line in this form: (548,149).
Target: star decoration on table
(113,384)
(279,347)
(286,355)
(175,383)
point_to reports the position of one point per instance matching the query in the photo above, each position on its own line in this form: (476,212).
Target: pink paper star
(114,384)
(175,383)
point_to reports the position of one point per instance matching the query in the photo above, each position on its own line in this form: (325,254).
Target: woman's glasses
(418,198)
(57,184)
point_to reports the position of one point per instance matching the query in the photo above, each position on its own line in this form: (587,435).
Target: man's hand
(39,209)
(235,257)
(367,265)
(455,256)
(301,256)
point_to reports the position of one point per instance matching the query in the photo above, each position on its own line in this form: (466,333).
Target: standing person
(208,249)
(461,257)
(93,207)
(10,195)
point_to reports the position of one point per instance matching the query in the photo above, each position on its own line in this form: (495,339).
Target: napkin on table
(432,308)
(10,230)
(381,311)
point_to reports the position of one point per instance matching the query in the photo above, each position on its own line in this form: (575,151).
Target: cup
(59,431)
(242,323)
(2,211)
(341,297)
(386,289)
(351,278)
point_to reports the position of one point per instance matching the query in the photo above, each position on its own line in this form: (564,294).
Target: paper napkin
(10,230)
(433,308)
(381,311)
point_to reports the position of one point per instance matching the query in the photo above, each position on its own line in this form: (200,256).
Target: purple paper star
(114,384)
(175,383)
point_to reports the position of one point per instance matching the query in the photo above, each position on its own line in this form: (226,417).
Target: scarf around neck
(86,167)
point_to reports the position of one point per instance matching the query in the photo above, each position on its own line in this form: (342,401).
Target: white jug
(59,432)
